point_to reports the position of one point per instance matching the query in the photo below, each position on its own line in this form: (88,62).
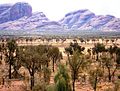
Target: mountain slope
(14,12)
(4,7)
(20,17)
(86,20)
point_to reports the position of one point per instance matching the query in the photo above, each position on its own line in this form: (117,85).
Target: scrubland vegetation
(45,68)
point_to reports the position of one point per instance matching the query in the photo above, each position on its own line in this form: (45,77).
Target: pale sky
(56,9)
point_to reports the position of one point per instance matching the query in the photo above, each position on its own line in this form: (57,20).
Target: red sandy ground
(14,86)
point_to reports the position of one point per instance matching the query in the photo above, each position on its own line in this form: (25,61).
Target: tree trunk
(10,58)
(31,72)
(67,58)
(109,78)
(53,65)
(113,74)
(73,84)
(3,81)
(47,64)
(97,57)
(1,56)
(32,76)
(32,82)
(32,79)
(10,70)
(95,85)
(109,75)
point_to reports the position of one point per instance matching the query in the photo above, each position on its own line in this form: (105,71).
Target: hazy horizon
(56,9)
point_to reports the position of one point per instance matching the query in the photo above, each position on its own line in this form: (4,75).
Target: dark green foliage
(2,49)
(32,59)
(54,55)
(117,85)
(62,79)
(118,51)
(61,84)
(94,78)
(112,49)
(108,62)
(98,48)
(118,60)
(47,74)
(118,56)
(74,47)
(51,88)
(75,62)
(11,47)
(41,86)
(81,39)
